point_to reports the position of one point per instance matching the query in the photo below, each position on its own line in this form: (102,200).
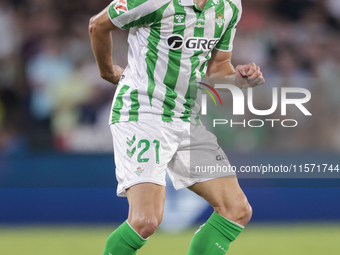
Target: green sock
(214,237)
(123,241)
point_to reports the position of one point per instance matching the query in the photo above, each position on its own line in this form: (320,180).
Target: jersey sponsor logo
(121,6)
(220,20)
(176,42)
(200,43)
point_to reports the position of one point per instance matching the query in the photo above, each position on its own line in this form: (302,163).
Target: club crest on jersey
(121,6)
(139,171)
(179,19)
(220,20)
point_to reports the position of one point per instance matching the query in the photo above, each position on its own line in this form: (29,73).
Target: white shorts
(145,151)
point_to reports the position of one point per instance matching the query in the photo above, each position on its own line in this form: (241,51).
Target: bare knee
(241,212)
(145,225)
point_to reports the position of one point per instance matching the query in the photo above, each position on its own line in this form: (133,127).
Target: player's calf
(232,213)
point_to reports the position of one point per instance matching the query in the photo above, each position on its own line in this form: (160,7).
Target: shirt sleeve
(227,39)
(125,14)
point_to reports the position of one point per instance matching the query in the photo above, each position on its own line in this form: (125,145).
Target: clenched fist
(249,76)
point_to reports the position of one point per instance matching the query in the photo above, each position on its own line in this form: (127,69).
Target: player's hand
(249,75)
(114,76)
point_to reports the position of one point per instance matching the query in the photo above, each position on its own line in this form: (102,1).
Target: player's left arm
(244,76)
(220,68)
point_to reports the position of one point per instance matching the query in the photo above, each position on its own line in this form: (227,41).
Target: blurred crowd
(52,97)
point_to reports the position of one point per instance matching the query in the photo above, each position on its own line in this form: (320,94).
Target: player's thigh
(226,197)
(146,204)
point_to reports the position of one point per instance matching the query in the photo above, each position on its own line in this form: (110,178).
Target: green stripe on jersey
(133,113)
(191,94)
(118,104)
(133,4)
(174,64)
(190,98)
(142,20)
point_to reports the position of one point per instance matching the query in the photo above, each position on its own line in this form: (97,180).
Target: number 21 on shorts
(143,146)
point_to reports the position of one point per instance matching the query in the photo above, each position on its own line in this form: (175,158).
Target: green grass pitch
(257,239)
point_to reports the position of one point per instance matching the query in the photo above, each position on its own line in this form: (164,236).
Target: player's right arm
(120,14)
(100,33)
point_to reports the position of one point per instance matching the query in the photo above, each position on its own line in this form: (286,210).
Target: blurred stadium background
(57,184)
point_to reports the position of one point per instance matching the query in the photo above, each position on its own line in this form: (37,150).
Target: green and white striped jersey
(170,43)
